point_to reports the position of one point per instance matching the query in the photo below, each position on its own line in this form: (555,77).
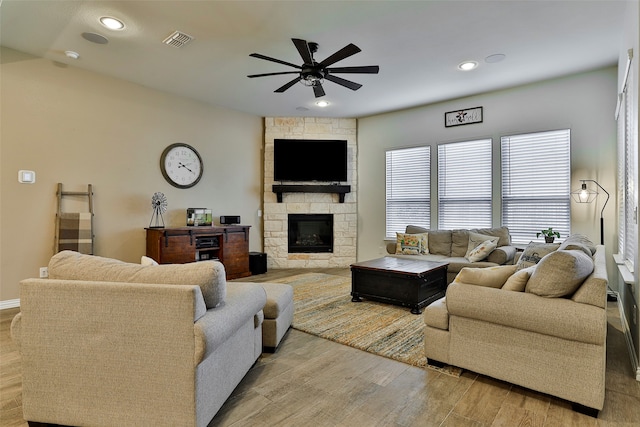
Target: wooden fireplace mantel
(340,190)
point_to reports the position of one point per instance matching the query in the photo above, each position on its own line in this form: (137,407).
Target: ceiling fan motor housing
(313,73)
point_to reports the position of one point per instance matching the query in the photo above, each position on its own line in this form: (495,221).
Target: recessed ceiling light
(112,23)
(467,65)
(322,103)
(71,54)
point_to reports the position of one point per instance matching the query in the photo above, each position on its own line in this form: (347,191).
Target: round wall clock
(181,165)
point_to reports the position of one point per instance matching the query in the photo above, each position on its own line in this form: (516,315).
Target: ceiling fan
(312,73)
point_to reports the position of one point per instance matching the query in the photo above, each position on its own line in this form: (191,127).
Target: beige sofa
(107,343)
(543,327)
(452,245)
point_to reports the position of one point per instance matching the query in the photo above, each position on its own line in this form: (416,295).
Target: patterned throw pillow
(408,244)
(534,252)
(424,243)
(482,250)
(476,239)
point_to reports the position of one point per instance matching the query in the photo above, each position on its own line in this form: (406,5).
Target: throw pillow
(408,244)
(477,239)
(208,275)
(424,243)
(517,282)
(534,252)
(145,260)
(491,277)
(560,274)
(482,251)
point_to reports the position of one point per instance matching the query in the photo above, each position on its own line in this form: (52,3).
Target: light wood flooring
(310,381)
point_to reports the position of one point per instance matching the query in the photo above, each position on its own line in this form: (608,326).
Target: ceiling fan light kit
(312,73)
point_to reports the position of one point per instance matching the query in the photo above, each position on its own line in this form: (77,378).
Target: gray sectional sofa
(452,245)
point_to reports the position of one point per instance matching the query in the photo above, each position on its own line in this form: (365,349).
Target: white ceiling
(417,44)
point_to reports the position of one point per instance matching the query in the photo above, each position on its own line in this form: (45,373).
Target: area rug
(323,308)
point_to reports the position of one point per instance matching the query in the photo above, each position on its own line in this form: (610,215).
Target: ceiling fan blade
(273,74)
(345,52)
(318,91)
(369,69)
(288,85)
(303,50)
(267,58)
(342,82)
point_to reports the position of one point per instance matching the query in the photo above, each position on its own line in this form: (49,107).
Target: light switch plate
(26,177)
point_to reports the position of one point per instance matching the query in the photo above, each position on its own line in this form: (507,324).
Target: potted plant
(549,235)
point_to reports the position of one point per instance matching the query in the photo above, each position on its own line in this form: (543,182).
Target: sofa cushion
(481,251)
(518,281)
(440,242)
(459,243)
(501,232)
(476,241)
(579,242)
(492,277)
(416,229)
(208,275)
(534,252)
(408,244)
(560,273)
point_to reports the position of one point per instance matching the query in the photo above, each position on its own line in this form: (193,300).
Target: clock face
(181,165)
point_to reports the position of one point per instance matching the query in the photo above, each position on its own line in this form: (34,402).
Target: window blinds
(464,184)
(407,189)
(630,204)
(536,184)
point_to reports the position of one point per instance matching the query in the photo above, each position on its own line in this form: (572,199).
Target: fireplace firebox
(310,233)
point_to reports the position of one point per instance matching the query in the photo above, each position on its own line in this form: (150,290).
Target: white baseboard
(627,335)
(10,303)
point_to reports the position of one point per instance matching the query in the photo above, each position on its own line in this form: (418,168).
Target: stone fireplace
(276,215)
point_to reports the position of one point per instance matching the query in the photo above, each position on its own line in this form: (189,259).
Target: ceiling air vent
(177,39)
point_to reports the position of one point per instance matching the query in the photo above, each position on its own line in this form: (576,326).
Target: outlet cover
(44,272)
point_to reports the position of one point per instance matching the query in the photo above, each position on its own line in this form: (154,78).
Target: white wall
(585,103)
(78,127)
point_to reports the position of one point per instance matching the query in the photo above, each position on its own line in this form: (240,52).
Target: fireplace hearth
(310,233)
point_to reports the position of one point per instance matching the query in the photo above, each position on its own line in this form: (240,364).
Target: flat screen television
(310,160)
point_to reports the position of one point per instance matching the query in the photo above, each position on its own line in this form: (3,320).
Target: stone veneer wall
(344,214)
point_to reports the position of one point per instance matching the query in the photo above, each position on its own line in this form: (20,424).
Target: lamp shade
(584,195)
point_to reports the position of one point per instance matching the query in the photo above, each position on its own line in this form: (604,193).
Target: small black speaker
(229,219)
(257,262)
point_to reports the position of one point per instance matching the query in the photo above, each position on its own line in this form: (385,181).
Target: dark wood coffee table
(407,282)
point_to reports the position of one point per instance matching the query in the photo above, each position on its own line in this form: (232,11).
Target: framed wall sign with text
(463,117)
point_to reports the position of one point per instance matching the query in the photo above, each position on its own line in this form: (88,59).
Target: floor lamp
(584,195)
